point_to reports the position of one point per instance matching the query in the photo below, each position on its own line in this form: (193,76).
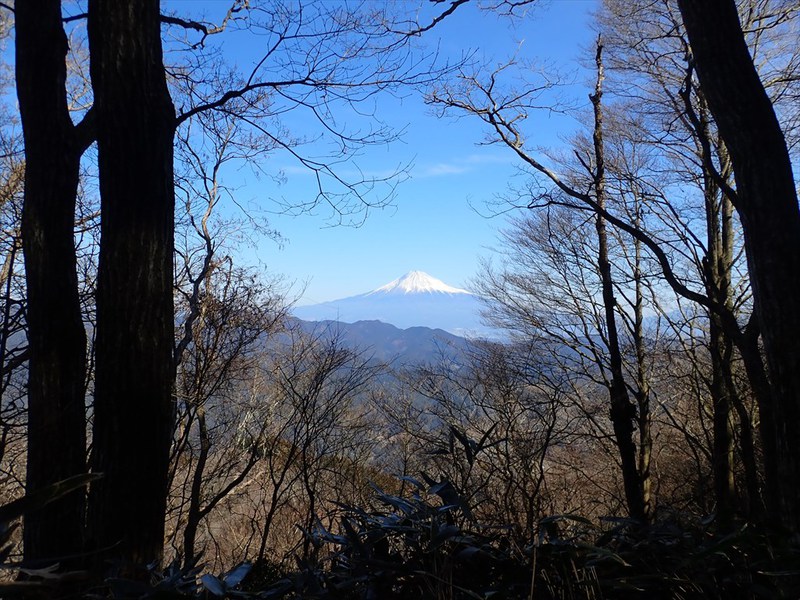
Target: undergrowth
(427,544)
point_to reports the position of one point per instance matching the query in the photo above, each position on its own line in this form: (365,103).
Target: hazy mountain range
(414,319)
(389,344)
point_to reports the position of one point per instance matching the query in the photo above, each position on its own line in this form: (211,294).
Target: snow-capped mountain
(414,300)
(416,282)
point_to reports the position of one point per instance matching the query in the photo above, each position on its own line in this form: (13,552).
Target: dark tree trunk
(718,264)
(195,514)
(725,393)
(642,394)
(767,206)
(57,339)
(753,361)
(134,370)
(623,411)
(722,451)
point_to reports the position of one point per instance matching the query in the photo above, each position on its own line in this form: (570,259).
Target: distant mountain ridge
(414,300)
(388,344)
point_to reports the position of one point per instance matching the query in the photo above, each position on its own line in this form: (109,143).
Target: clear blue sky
(434,224)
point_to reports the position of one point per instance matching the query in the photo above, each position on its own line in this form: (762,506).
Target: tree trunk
(717,265)
(195,515)
(642,394)
(57,339)
(753,361)
(767,206)
(135,328)
(732,335)
(722,451)
(623,411)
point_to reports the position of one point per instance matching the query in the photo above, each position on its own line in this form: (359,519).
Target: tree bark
(722,451)
(56,335)
(642,393)
(717,264)
(135,328)
(195,515)
(623,411)
(767,206)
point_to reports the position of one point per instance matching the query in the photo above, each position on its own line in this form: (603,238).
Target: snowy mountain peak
(414,300)
(415,282)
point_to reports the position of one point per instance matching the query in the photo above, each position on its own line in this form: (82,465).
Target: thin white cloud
(439,170)
(459,165)
(487,159)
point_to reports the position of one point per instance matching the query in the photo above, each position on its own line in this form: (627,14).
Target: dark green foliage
(690,560)
(181,582)
(262,574)
(426,546)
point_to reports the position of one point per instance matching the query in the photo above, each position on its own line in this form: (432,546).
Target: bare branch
(419,30)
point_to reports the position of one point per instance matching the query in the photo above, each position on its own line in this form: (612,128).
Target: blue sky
(437,220)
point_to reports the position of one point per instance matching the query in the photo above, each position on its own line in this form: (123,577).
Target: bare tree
(547,286)
(766,200)
(315,385)
(317,57)
(668,110)
(237,317)
(501,110)
(13,338)
(490,425)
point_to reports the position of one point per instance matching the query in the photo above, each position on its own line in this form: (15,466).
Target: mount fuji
(414,300)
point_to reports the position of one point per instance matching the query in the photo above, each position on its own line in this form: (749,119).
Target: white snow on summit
(415,282)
